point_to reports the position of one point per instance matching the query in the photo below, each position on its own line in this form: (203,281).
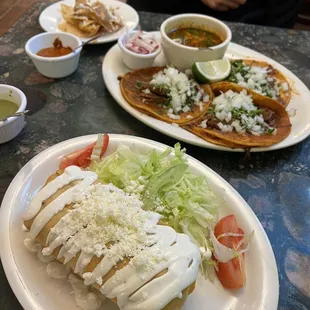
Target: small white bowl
(133,60)
(54,67)
(183,56)
(10,128)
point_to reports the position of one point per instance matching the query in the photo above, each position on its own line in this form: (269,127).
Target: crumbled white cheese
(104,214)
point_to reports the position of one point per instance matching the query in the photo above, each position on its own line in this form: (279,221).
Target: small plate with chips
(88,18)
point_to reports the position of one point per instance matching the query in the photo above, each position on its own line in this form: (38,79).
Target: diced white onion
(206,98)
(203,124)
(284,86)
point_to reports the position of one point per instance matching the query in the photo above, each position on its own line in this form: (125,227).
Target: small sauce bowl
(182,56)
(134,60)
(11,127)
(54,67)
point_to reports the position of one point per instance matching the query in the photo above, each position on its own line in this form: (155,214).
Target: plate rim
(102,41)
(200,142)
(10,268)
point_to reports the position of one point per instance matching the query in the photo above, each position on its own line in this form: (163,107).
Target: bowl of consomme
(188,38)
(12,100)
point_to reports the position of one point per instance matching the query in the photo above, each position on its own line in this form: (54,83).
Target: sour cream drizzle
(135,285)
(71,174)
(64,199)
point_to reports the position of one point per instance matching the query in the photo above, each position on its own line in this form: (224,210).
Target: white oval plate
(35,290)
(51,17)
(113,67)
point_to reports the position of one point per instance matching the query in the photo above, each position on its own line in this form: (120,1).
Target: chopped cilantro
(211,110)
(237,66)
(139,84)
(236,113)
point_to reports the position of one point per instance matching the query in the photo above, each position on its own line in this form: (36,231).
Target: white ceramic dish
(113,67)
(183,56)
(133,60)
(36,291)
(10,128)
(54,67)
(51,17)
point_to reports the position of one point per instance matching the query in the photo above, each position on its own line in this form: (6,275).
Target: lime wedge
(211,71)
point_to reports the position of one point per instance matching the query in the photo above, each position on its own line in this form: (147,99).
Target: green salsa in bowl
(12,100)
(7,108)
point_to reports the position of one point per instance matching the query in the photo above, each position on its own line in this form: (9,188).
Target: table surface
(276,185)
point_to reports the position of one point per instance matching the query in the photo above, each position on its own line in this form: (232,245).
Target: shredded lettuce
(167,186)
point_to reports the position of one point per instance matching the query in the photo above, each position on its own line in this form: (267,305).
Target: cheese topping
(108,223)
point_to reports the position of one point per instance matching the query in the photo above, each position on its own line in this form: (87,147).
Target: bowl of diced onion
(139,49)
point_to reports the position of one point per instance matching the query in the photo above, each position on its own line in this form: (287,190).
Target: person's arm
(223,5)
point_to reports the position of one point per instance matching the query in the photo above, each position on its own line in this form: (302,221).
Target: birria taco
(166,94)
(239,117)
(262,78)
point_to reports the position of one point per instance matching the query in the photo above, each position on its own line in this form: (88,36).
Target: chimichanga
(108,240)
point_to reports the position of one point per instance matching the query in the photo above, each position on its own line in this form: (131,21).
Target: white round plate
(113,67)
(35,290)
(51,17)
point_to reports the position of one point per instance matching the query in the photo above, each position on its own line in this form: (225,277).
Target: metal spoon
(15,114)
(89,40)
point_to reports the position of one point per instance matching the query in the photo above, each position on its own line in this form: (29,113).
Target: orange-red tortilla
(153,104)
(246,140)
(284,97)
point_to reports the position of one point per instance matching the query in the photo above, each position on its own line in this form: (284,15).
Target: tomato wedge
(81,158)
(231,274)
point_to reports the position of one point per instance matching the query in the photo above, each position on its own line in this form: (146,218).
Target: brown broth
(194,37)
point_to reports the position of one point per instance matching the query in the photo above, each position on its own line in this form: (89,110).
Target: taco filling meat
(239,117)
(260,77)
(166,93)
(236,111)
